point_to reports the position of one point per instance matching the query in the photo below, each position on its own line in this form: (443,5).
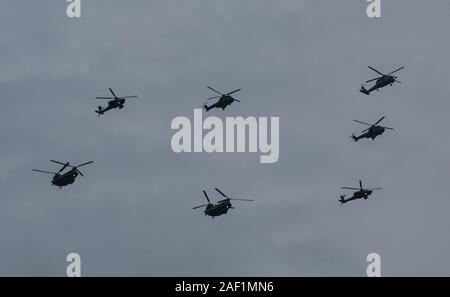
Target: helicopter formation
(373,131)
(62,179)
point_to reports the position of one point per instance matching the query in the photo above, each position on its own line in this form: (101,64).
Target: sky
(300,60)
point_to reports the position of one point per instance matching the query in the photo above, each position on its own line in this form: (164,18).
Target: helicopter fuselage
(116,103)
(61,180)
(381,83)
(361,194)
(215,210)
(372,133)
(223,102)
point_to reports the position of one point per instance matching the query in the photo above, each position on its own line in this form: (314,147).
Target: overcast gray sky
(301,60)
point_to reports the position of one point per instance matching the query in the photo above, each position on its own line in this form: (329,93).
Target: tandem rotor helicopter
(64,179)
(359,194)
(116,102)
(381,82)
(219,208)
(224,100)
(372,132)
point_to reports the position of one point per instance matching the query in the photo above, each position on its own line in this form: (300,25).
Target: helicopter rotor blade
(387,128)
(108,98)
(90,162)
(397,81)
(376,71)
(64,167)
(362,123)
(364,131)
(236,100)
(43,171)
(348,188)
(79,172)
(215,97)
(128,97)
(242,199)
(57,162)
(215,91)
(200,206)
(379,121)
(360,184)
(221,193)
(373,79)
(396,70)
(234,92)
(206,195)
(374,188)
(112,92)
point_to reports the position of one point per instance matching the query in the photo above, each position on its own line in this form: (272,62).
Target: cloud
(300,60)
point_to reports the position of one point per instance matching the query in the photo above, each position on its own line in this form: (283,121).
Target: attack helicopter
(381,82)
(372,132)
(63,179)
(219,208)
(359,194)
(224,100)
(116,102)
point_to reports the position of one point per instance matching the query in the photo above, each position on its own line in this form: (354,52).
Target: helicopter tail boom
(364,90)
(99,111)
(206,107)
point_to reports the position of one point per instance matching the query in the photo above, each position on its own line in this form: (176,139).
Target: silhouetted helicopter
(371,132)
(359,194)
(116,102)
(61,180)
(220,208)
(224,101)
(382,81)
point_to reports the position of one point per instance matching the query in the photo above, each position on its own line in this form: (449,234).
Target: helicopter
(372,132)
(224,100)
(359,194)
(116,102)
(221,207)
(63,179)
(382,81)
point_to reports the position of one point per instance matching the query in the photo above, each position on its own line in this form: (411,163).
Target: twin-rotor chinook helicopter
(63,179)
(219,208)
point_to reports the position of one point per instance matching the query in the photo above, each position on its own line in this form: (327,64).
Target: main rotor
(360,188)
(385,75)
(221,95)
(373,125)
